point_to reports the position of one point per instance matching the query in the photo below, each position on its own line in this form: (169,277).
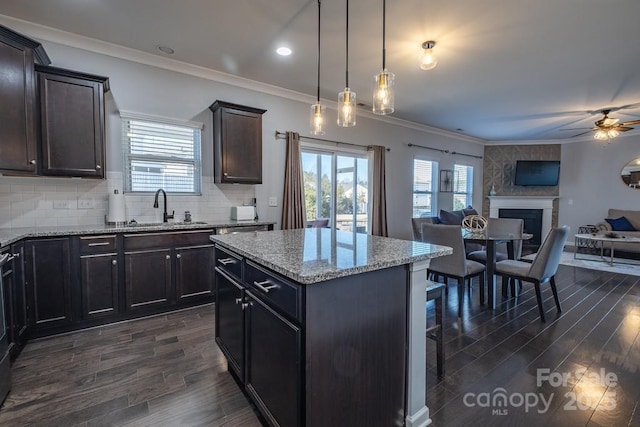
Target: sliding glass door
(336,188)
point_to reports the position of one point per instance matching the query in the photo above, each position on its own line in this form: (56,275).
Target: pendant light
(347,99)
(316,119)
(383,93)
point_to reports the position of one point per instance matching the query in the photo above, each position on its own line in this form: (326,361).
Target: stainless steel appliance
(5,368)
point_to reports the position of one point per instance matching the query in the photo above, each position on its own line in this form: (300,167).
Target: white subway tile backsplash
(29,202)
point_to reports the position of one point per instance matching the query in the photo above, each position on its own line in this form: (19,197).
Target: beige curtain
(293,198)
(379,193)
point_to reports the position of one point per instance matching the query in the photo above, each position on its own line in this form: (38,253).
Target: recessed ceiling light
(165,49)
(283,51)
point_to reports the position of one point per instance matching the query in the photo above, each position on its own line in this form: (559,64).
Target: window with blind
(424,172)
(462,186)
(161,154)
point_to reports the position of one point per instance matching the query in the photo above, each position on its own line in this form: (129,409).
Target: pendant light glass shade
(428,59)
(347,108)
(383,93)
(605,135)
(346,98)
(316,119)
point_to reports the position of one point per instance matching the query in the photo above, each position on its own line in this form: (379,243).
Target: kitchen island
(323,327)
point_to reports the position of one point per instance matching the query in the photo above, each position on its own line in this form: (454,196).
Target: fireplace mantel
(524,202)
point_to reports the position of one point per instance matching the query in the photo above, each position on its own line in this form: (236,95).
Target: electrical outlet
(273,201)
(60,204)
(85,203)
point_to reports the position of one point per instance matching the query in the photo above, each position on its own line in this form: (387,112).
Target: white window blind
(161,154)
(462,186)
(423,188)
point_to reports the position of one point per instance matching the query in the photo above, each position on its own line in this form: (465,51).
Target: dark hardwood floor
(160,371)
(168,371)
(498,361)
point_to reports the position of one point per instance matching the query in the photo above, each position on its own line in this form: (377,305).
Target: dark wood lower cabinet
(325,354)
(230,321)
(99,285)
(148,278)
(15,300)
(194,272)
(273,375)
(48,282)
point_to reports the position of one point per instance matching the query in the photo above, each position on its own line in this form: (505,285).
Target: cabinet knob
(98,167)
(225,174)
(167,256)
(33,162)
(114,262)
(178,256)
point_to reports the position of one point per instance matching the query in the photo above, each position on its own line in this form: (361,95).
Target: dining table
(490,241)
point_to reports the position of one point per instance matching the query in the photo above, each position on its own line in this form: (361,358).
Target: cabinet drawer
(229,262)
(283,295)
(164,240)
(97,244)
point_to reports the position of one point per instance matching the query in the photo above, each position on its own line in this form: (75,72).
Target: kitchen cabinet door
(48,282)
(237,140)
(71,121)
(230,321)
(18,105)
(194,272)
(273,375)
(99,284)
(148,279)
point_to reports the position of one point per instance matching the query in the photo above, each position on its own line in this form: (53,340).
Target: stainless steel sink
(163,224)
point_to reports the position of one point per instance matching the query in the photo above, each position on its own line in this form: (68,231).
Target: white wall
(590,180)
(146,89)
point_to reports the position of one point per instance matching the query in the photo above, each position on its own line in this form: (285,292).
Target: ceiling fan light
(612,133)
(316,119)
(428,59)
(383,93)
(601,135)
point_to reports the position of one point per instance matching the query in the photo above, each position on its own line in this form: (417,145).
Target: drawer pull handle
(262,287)
(99,244)
(226,261)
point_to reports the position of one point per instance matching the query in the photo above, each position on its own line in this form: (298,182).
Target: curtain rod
(283,135)
(445,151)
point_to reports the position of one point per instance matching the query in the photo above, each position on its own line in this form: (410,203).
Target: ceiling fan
(608,128)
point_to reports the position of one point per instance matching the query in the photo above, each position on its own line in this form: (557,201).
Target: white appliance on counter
(243,213)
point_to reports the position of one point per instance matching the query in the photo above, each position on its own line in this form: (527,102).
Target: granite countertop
(314,255)
(9,236)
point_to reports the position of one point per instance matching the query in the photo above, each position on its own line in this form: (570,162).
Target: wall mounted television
(537,172)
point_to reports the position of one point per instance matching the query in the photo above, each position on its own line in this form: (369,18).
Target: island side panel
(356,349)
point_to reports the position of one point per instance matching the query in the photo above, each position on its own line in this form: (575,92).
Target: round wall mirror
(631,174)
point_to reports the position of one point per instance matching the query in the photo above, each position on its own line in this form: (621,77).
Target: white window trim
(130,115)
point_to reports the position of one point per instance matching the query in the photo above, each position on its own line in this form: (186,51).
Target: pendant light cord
(384,33)
(318,95)
(347,47)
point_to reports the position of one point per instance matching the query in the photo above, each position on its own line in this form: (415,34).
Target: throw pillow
(469,211)
(620,224)
(451,218)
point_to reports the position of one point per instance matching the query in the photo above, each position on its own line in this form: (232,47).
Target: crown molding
(42,32)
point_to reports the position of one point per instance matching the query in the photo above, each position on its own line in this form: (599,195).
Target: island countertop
(313,255)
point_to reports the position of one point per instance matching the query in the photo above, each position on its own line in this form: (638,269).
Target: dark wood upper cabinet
(237,142)
(71,122)
(18,117)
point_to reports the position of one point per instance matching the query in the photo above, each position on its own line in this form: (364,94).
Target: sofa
(623,223)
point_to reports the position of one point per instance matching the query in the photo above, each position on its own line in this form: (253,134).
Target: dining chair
(543,268)
(318,223)
(416,227)
(454,266)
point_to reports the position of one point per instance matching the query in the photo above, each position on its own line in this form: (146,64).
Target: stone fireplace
(524,203)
